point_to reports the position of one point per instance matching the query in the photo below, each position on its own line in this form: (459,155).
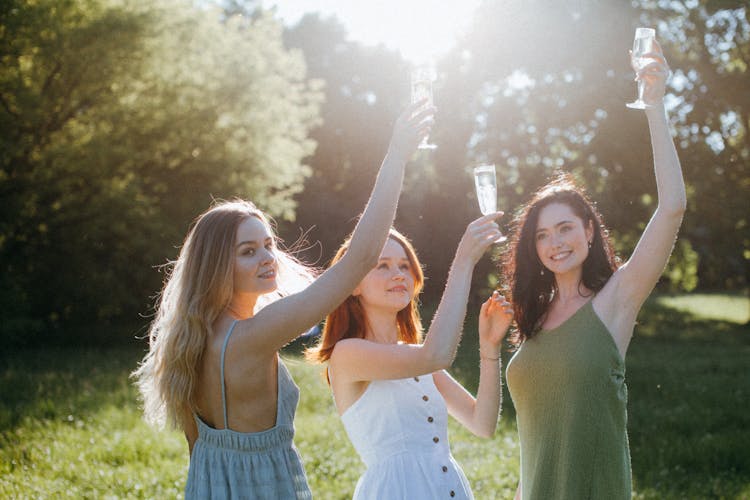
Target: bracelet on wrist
(481,357)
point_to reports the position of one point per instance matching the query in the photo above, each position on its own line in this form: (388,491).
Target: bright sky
(419,29)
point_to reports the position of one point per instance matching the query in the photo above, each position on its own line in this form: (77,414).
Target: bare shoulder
(347,347)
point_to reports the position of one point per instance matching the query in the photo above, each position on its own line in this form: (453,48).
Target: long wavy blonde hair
(196,291)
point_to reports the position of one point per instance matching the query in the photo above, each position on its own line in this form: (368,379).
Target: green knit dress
(568,388)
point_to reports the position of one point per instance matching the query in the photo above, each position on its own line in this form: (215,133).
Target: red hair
(349,320)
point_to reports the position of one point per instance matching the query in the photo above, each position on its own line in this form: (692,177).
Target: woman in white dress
(391,389)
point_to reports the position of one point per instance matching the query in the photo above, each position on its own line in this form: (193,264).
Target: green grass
(70,426)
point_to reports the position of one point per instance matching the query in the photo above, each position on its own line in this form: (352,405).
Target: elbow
(676,210)
(438,359)
(363,258)
(444,360)
(680,207)
(486,430)
(485,433)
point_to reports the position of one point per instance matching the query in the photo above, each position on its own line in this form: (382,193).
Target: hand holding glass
(643,44)
(486,186)
(421,88)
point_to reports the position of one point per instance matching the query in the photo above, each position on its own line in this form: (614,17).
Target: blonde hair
(196,291)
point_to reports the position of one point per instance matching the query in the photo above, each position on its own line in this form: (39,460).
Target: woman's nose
(269,256)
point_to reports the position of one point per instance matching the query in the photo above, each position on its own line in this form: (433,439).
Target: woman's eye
(382,266)
(404,267)
(540,236)
(249,251)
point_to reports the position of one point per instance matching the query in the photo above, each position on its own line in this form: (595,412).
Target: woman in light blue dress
(232,300)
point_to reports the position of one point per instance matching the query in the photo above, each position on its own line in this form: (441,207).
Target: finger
(485,306)
(413,107)
(489,217)
(655,67)
(486,230)
(423,114)
(424,127)
(653,55)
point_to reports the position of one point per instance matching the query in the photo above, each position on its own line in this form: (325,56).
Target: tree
(545,84)
(119,124)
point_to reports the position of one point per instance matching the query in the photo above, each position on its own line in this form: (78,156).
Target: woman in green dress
(575,309)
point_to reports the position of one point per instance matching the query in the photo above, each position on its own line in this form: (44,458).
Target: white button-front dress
(400,430)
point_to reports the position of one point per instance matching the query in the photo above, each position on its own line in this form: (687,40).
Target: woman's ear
(356,292)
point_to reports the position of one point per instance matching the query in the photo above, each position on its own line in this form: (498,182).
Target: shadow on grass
(64,384)
(688,381)
(689,386)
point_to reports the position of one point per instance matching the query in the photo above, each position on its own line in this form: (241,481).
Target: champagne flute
(486,185)
(422,77)
(643,44)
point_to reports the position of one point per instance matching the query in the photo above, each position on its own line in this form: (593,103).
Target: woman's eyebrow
(556,225)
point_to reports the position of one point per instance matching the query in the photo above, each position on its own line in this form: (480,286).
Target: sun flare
(419,29)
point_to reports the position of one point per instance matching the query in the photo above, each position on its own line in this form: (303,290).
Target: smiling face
(255,264)
(390,285)
(562,239)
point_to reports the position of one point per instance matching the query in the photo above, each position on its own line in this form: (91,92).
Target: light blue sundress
(249,465)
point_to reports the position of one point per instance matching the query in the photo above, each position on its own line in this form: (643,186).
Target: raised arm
(283,320)
(480,415)
(642,270)
(360,360)
(632,283)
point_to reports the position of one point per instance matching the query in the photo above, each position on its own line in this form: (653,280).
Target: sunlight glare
(419,29)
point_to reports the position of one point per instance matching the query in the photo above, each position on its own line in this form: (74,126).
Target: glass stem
(641,87)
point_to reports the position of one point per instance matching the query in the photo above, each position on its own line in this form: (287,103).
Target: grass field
(70,425)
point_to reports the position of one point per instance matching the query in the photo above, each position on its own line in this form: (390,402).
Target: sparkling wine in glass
(643,44)
(486,185)
(422,78)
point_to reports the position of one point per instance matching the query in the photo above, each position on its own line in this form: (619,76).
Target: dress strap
(223,388)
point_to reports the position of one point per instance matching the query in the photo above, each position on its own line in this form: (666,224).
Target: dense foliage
(120,120)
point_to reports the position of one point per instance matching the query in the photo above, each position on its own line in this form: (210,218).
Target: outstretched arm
(283,320)
(480,415)
(651,254)
(356,360)
(632,283)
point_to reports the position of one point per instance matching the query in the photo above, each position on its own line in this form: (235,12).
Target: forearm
(489,396)
(669,182)
(372,229)
(447,325)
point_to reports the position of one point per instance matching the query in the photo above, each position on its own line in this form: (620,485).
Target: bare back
(251,384)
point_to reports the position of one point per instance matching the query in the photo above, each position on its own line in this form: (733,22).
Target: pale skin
(251,361)
(562,239)
(387,289)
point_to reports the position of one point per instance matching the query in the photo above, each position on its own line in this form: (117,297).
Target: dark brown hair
(531,286)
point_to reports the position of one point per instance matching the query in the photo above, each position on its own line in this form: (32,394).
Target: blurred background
(121,120)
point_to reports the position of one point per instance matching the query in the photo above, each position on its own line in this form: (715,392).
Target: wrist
(462,263)
(656,110)
(492,354)
(396,155)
